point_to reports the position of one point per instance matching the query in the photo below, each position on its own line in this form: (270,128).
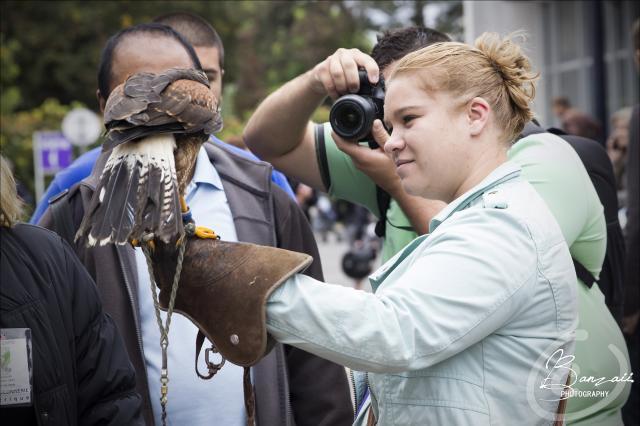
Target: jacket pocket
(436,413)
(441,395)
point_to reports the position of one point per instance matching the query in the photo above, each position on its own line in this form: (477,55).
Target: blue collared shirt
(192,401)
(82,166)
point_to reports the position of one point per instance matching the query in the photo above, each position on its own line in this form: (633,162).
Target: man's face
(146,53)
(210,60)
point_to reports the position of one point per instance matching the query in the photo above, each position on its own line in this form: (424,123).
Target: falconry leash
(147,244)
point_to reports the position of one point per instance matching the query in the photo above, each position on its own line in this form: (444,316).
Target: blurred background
(50,52)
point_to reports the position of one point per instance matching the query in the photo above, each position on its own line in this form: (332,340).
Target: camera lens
(351,117)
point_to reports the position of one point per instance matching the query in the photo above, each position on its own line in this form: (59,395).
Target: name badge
(16,368)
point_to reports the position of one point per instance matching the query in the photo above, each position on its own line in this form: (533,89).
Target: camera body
(352,115)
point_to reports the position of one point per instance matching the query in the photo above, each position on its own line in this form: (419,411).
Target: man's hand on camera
(373,162)
(338,74)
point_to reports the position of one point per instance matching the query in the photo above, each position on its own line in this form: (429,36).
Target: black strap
(587,278)
(62,216)
(384,200)
(321,155)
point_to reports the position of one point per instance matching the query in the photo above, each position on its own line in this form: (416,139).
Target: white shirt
(191,400)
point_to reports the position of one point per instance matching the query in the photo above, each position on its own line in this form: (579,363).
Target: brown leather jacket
(292,387)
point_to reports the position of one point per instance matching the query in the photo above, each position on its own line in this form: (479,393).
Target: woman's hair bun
(513,66)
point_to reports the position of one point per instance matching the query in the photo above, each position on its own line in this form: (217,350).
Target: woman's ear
(477,115)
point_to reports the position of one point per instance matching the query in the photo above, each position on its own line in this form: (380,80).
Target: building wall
(582,49)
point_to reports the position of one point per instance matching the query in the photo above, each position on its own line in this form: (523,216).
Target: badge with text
(16,376)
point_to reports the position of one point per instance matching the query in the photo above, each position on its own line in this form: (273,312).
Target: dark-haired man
(232,195)
(280,132)
(210,51)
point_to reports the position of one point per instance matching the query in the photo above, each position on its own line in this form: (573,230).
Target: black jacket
(81,372)
(292,387)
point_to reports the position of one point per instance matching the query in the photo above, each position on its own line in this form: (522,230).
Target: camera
(352,115)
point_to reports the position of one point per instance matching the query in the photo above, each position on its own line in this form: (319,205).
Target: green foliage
(9,72)
(50,52)
(16,138)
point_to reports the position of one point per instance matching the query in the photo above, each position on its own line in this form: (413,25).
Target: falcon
(156,124)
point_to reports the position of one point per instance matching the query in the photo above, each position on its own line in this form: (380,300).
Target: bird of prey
(156,124)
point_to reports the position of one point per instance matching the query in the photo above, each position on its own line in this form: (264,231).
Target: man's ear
(101,100)
(477,115)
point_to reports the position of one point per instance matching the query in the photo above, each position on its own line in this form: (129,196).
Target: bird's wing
(176,101)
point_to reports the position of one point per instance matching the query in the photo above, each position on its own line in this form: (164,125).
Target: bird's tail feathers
(137,194)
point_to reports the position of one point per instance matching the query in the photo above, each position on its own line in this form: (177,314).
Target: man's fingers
(343,66)
(350,67)
(327,82)
(367,62)
(337,71)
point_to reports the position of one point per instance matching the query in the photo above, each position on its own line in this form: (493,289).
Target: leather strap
(371,419)
(249,394)
(249,397)
(562,406)
(212,367)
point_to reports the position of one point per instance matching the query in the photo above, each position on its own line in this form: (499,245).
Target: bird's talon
(204,232)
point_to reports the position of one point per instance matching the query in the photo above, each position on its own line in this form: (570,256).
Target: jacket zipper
(134,310)
(355,395)
(133,305)
(371,395)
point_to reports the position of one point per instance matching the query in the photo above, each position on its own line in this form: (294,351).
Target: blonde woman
(472,324)
(81,373)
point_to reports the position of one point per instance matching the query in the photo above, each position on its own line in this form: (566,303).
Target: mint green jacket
(468,325)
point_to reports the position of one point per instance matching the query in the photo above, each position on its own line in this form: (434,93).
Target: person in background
(81,372)
(632,240)
(618,143)
(280,131)
(560,106)
(210,50)
(580,123)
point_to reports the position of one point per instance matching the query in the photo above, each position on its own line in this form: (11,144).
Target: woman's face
(429,138)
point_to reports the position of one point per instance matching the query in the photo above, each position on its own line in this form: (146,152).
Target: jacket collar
(503,173)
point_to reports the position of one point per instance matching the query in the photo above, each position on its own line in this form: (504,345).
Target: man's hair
(562,101)
(394,44)
(635,31)
(154,29)
(195,29)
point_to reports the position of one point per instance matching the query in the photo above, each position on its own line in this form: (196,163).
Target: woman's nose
(394,143)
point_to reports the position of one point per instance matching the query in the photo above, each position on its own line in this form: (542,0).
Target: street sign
(81,127)
(52,152)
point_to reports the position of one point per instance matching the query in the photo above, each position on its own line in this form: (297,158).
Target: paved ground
(331,253)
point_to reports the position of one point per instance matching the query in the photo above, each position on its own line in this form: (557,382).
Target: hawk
(156,124)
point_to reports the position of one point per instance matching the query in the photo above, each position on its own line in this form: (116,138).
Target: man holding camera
(280,132)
